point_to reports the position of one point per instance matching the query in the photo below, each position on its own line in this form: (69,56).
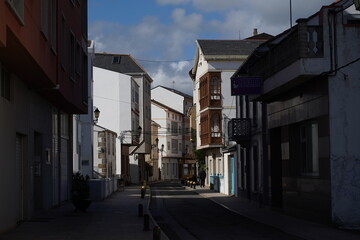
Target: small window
(116,60)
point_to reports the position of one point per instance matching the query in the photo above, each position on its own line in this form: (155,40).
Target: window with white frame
(215,88)
(215,125)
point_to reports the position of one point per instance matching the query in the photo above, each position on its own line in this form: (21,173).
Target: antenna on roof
(173,84)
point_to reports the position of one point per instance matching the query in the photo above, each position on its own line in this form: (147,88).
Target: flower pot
(81,204)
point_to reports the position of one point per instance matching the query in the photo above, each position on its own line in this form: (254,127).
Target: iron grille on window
(239,129)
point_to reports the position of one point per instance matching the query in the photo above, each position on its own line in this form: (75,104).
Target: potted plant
(80,192)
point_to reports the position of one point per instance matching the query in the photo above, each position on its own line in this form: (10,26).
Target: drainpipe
(248,153)
(265,160)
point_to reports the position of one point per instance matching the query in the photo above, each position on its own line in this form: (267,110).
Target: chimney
(255,32)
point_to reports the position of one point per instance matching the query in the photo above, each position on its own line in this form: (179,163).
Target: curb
(163,236)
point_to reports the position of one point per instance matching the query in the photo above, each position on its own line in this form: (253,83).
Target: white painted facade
(83,127)
(112,96)
(214,158)
(170,138)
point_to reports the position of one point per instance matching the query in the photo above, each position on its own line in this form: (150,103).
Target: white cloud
(173,76)
(155,40)
(172,2)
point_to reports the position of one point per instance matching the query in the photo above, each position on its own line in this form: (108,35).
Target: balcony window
(215,125)
(215,88)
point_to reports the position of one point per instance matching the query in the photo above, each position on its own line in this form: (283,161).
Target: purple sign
(246,86)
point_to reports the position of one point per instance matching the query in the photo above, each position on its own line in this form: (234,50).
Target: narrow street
(183,214)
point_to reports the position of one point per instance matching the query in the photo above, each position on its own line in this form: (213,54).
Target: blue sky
(163,32)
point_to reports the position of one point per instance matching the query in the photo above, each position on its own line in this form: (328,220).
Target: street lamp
(96,114)
(161,149)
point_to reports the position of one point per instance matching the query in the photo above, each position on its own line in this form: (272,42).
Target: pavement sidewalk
(295,226)
(116,217)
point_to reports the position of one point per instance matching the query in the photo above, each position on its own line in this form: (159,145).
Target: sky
(161,34)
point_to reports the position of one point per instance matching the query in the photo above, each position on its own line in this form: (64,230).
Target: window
(84,18)
(180,147)
(18,8)
(135,95)
(174,146)
(44,17)
(215,125)
(72,56)
(174,128)
(309,151)
(64,124)
(5,88)
(62,40)
(116,60)
(255,114)
(215,88)
(168,127)
(77,58)
(168,146)
(85,77)
(168,115)
(53,24)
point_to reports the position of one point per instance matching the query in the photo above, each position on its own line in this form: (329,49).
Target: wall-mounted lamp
(96,115)
(161,149)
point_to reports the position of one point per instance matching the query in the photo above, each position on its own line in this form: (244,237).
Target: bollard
(143,191)
(140,208)
(156,233)
(146,222)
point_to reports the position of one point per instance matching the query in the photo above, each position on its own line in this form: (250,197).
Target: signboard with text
(246,86)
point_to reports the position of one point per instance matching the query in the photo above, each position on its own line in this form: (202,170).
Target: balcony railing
(239,130)
(303,42)
(211,139)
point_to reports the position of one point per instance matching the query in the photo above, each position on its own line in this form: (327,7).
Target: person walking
(202,176)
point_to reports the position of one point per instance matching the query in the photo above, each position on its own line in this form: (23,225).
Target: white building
(83,125)
(174,105)
(215,62)
(122,94)
(170,139)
